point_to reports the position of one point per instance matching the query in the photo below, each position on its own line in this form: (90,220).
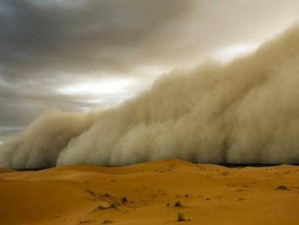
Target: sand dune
(146,194)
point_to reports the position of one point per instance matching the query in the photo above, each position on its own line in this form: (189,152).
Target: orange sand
(209,194)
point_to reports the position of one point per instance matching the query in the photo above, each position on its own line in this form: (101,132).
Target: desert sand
(151,193)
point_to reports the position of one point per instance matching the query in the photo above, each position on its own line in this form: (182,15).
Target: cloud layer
(242,112)
(51,44)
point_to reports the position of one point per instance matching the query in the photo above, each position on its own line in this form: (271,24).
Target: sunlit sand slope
(151,193)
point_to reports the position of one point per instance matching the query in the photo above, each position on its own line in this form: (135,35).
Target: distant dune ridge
(243,112)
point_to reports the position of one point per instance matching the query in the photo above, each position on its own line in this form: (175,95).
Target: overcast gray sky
(82,54)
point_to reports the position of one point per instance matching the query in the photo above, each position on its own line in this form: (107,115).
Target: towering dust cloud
(39,145)
(243,112)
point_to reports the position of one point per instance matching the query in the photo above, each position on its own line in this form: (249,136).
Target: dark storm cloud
(94,35)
